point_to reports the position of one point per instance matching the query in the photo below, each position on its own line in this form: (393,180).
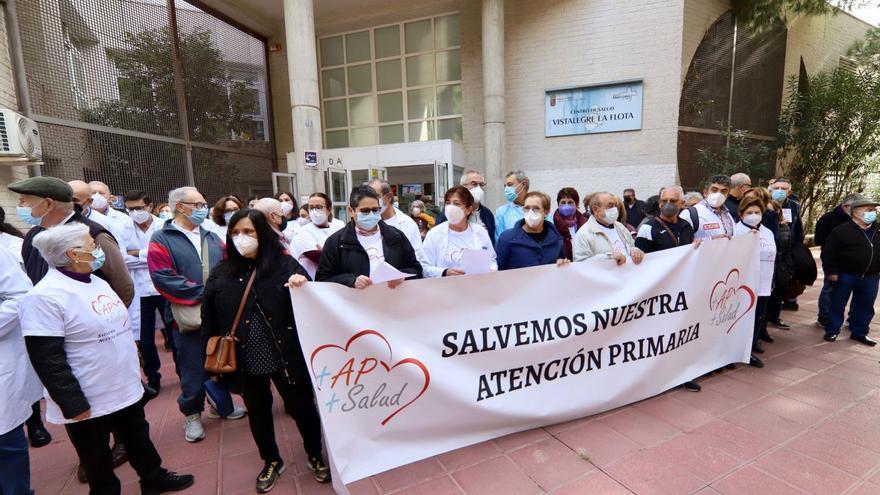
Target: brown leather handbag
(220,351)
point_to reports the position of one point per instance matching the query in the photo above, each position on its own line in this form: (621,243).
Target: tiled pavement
(808,423)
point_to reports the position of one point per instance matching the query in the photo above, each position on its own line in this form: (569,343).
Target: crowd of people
(84,291)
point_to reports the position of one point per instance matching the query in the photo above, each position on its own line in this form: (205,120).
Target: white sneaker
(193,429)
(238,412)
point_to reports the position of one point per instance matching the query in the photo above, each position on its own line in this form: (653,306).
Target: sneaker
(780,324)
(238,412)
(193,429)
(167,482)
(269,475)
(322,472)
(691,386)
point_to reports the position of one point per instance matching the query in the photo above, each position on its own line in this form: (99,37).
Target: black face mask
(629,200)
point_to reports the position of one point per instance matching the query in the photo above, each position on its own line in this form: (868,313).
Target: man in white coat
(398,219)
(19,385)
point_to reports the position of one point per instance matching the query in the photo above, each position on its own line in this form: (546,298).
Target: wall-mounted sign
(311,159)
(593,109)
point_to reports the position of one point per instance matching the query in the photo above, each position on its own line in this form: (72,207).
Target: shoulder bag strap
(695,218)
(241,304)
(668,231)
(205,259)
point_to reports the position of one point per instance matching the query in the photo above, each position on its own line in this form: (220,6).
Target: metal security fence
(148,94)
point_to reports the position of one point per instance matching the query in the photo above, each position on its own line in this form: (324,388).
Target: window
(75,70)
(392,84)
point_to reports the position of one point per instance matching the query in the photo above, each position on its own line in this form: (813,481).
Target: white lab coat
(12,243)
(114,226)
(19,385)
(134,238)
(309,238)
(437,243)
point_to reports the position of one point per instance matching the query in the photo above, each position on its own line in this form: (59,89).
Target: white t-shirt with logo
(372,244)
(767,250)
(100,349)
(311,238)
(616,242)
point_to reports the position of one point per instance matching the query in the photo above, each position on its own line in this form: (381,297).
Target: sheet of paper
(786,214)
(474,261)
(385,273)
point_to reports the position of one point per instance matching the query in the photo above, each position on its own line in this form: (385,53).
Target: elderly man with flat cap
(48,201)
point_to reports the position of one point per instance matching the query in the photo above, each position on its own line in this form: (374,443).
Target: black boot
(36,431)
(166,482)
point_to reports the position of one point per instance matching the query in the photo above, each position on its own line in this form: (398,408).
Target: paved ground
(807,423)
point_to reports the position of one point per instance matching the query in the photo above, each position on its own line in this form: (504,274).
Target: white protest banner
(439,364)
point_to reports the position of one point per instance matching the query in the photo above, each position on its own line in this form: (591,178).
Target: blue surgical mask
(25,213)
(198,216)
(778,195)
(368,221)
(869,217)
(510,193)
(99,256)
(165,215)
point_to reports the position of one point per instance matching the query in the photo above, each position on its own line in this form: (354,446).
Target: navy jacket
(516,249)
(485,215)
(175,265)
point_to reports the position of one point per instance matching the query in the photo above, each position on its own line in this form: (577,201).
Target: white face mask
(752,219)
(477,193)
(245,244)
(140,217)
(303,221)
(286,208)
(612,214)
(454,214)
(98,202)
(533,218)
(416,211)
(318,217)
(716,199)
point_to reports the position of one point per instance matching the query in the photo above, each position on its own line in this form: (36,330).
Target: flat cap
(862,202)
(44,187)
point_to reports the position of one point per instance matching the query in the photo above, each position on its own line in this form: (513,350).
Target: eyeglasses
(135,208)
(369,210)
(473,184)
(198,206)
(315,207)
(232,210)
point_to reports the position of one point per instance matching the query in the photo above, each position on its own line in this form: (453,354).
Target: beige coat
(590,242)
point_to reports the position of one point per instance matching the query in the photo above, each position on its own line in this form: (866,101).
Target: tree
(217,108)
(742,153)
(830,134)
(762,14)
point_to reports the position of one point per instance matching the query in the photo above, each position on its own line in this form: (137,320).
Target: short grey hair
(54,242)
(692,195)
(178,195)
(464,181)
(417,204)
(268,205)
(520,176)
(65,207)
(384,186)
(851,198)
(739,179)
(677,189)
(594,199)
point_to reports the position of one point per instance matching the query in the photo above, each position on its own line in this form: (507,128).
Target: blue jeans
(147,344)
(15,467)
(825,301)
(191,368)
(861,308)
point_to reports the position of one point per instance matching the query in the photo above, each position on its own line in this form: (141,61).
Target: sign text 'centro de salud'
(594,109)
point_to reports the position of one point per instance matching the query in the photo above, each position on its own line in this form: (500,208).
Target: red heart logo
(388,368)
(724,295)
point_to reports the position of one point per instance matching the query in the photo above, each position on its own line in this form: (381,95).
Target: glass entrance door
(337,189)
(282,181)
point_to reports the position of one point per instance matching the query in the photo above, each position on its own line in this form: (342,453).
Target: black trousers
(760,318)
(299,402)
(91,439)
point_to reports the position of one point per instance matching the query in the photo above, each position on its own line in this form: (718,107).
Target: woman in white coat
(751,211)
(445,244)
(19,385)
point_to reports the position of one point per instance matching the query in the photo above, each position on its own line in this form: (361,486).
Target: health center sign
(439,364)
(611,107)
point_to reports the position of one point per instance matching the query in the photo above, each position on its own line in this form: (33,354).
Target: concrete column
(305,102)
(493,99)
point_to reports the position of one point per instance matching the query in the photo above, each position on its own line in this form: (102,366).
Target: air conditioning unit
(19,139)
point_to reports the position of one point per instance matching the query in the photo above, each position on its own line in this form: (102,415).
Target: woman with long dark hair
(267,341)
(10,237)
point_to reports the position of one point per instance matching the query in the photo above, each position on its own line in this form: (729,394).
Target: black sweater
(829,222)
(852,250)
